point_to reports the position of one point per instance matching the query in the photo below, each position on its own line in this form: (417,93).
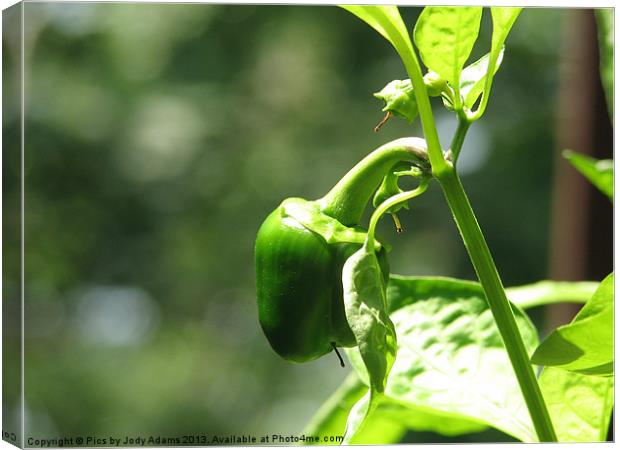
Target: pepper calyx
(308,214)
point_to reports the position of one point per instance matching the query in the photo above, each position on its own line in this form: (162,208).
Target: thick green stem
(347,200)
(500,307)
(438,163)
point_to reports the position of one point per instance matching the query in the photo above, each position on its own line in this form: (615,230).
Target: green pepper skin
(301,248)
(299,288)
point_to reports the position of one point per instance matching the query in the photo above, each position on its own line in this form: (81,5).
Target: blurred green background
(158,137)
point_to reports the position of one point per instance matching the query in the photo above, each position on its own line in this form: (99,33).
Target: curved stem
(347,200)
(387,204)
(484,266)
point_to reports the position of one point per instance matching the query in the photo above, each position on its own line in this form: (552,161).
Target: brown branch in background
(581,243)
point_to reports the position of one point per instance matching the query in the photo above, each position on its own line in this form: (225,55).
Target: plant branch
(488,275)
(435,152)
(392,201)
(459,138)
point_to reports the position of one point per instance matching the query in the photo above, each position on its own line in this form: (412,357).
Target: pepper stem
(347,200)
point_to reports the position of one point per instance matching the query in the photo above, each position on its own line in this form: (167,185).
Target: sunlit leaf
(503,20)
(473,78)
(580,405)
(451,359)
(599,172)
(358,415)
(445,37)
(366,312)
(586,344)
(386,424)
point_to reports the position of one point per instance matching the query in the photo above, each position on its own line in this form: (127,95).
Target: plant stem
(438,163)
(347,200)
(500,307)
(459,138)
(387,204)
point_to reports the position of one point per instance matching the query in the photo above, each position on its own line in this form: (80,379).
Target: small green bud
(399,99)
(435,85)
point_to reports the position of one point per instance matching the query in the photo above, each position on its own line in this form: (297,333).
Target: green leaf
(386,424)
(425,419)
(391,418)
(586,344)
(382,427)
(599,172)
(451,359)
(358,416)
(473,78)
(548,292)
(399,99)
(386,20)
(445,37)
(605,25)
(580,405)
(331,418)
(366,312)
(503,20)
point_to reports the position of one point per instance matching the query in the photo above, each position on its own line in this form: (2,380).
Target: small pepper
(301,248)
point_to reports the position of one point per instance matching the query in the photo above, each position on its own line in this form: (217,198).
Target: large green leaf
(580,405)
(586,344)
(599,172)
(451,360)
(445,37)
(605,25)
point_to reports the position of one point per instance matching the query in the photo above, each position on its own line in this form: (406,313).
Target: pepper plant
(431,353)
